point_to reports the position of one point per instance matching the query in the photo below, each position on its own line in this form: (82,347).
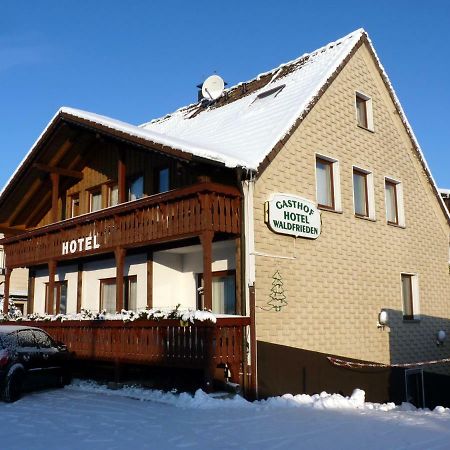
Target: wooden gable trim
(127,137)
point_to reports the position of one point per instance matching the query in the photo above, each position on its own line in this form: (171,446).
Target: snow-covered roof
(245,130)
(445,192)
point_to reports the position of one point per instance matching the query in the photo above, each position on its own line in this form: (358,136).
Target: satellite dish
(213,87)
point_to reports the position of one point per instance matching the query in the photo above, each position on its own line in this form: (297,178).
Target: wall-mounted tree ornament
(277,295)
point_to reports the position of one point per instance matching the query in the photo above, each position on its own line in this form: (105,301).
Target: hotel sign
(80,245)
(292,215)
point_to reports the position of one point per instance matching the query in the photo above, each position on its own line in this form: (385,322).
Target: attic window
(271,93)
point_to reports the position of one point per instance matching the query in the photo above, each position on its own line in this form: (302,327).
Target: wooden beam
(149,279)
(206,239)
(8,231)
(59,170)
(6,290)
(122,177)
(55,195)
(37,182)
(31,288)
(119,253)
(79,286)
(51,287)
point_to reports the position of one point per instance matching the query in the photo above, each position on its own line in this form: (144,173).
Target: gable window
(394,202)
(223,292)
(108,294)
(74,205)
(363,193)
(364,115)
(136,188)
(113,194)
(327,183)
(95,200)
(410,296)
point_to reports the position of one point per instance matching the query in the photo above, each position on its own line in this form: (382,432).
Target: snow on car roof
(6,329)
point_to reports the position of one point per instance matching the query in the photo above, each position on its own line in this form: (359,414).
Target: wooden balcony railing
(162,343)
(174,215)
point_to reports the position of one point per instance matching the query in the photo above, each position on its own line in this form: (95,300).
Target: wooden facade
(75,203)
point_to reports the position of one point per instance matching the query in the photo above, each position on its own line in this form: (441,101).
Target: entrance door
(414,387)
(59,297)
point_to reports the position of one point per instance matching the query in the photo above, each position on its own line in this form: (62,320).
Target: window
(223,292)
(410,296)
(108,294)
(95,200)
(136,188)
(113,194)
(59,305)
(364,116)
(74,205)
(162,180)
(394,202)
(363,193)
(360,193)
(327,183)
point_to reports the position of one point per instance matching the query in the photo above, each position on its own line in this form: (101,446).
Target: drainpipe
(249,251)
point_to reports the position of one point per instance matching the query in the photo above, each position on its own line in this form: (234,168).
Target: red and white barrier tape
(354,365)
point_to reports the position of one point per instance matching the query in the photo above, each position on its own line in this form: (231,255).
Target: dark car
(29,359)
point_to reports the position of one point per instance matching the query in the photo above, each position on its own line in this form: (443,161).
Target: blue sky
(138,60)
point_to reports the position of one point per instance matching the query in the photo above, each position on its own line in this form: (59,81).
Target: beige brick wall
(337,284)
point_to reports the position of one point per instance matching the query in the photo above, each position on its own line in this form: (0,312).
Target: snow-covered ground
(85,416)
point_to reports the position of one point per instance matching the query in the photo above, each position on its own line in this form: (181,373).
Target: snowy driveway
(80,417)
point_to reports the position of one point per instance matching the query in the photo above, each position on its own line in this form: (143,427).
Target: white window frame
(335,167)
(400,204)
(370,193)
(415,294)
(369,111)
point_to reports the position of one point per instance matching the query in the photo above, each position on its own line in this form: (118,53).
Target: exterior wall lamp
(383,319)
(440,337)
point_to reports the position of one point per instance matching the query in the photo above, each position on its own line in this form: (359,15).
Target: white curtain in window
(391,209)
(360,194)
(224,295)
(113,195)
(324,190)
(132,294)
(109,297)
(96,201)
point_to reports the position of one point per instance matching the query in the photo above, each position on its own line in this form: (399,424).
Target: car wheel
(12,390)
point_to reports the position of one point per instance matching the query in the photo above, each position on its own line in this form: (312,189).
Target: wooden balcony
(175,215)
(204,345)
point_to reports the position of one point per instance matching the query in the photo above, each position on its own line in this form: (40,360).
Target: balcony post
(149,279)
(51,287)
(31,286)
(79,286)
(119,253)
(206,239)
(55,195)
(6,290)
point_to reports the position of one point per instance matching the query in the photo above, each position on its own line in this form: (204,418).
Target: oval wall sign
(292,215)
